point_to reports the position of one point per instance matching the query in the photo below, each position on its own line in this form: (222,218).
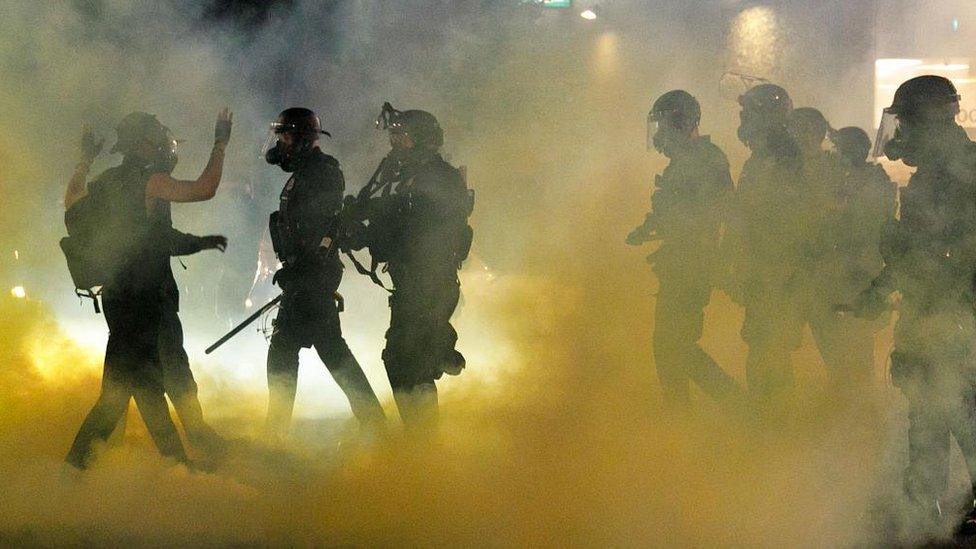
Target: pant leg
(282,381)
(412,382)
(104,415)
(131,369)
(345,369)
(178,380)
(679,321)
(847,347)
(151,401)
(772,330)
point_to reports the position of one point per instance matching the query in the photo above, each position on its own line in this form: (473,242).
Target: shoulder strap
(371,272)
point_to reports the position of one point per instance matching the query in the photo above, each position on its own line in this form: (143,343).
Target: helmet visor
(274,131)
(886,132)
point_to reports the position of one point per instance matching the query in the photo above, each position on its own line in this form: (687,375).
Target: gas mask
(166,156)
(667,139)
(667,132)
(160,156)
(277,153)
(765,135)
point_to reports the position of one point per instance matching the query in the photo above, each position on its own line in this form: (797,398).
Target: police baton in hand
(237,329)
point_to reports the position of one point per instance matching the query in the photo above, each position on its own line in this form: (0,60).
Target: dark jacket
(690,202)
(428,220)
(309,204)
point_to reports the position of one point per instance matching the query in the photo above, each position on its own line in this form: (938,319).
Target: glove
(225,121)
(214,242)
(88,147)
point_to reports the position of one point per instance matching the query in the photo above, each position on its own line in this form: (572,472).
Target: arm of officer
(162,186)
(330,185)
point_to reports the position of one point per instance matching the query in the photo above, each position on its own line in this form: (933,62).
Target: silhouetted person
(689,203)
(422,235)
(930,259)
(843,249)
(133,233)
(310,274)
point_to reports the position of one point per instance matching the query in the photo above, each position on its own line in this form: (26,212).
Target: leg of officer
(341,363)
(282,380)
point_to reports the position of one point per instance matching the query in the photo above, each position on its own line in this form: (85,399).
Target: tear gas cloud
(554,434)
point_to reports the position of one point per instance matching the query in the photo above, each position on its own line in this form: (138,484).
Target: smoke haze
(555,434)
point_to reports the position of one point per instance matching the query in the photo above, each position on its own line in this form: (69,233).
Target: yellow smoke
(554,436)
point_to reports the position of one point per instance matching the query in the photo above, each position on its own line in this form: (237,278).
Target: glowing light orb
(248,303)
(589,15)
(19,292)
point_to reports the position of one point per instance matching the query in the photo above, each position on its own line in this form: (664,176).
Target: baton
(243,325)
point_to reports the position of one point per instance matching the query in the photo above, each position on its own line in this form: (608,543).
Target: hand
(638,236)
(225,121)
(215,242)
(88,147)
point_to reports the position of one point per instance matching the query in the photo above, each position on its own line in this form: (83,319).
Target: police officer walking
(767,239)
(423,236)
(929,258)
(690,200)
(302,231)
(842,249)
(125,212)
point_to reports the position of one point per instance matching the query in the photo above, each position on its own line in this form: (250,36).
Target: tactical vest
(282,235)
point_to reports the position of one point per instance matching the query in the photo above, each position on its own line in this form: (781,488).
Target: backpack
(102,233)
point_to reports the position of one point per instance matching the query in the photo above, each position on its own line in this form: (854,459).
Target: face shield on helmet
(887,132)
(271,141)
(295,131)
(664,130)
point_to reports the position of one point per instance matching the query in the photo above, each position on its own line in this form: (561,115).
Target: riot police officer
(310,274)
(842,248)
(421,233)
(865,203)
(767,239)
(125,214)
(689,200)
(929,258)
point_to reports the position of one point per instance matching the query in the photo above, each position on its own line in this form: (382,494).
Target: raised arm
(89,149)
(162,186)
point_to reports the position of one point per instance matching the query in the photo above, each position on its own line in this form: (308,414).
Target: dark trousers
(680,360)
(131,370)
(178,381)
(309,317)
(932,365)
(418,342)
(773,329)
